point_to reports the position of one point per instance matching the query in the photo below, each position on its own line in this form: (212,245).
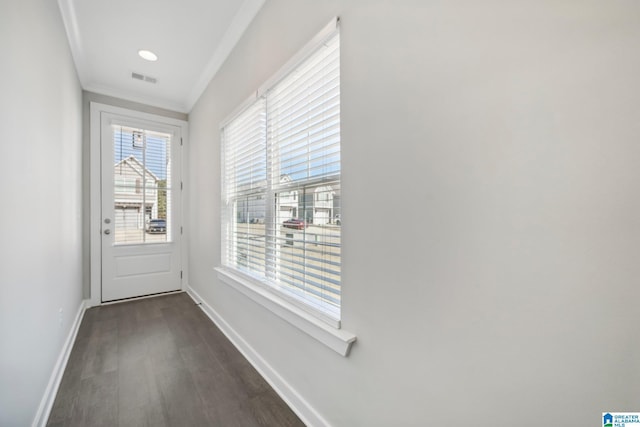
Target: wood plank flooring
(161,362)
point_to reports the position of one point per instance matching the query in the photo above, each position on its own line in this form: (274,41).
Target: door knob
(107,231)
(107,220)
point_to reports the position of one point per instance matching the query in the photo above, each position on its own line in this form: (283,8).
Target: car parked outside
(295,223)
(157,226)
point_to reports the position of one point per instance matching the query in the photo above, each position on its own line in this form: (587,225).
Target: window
(281,184)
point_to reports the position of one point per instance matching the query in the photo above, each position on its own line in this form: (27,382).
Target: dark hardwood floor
(161,362)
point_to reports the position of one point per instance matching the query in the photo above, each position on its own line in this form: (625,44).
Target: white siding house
(287,202)
(323,205)
(135,194)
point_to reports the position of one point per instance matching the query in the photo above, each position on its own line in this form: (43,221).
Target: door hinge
(181,185)
(180,229)
(181,274)
(181,142)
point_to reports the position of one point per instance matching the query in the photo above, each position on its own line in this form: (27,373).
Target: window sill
(338,340)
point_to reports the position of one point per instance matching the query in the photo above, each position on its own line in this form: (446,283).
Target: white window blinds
(244,183)
(304,118)
(245,163)
(281,184)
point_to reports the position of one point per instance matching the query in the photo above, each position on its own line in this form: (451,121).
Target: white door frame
(95,223)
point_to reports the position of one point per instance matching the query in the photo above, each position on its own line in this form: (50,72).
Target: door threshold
(160,294)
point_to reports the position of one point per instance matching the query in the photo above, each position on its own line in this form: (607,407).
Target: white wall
(502,286)
(40,193)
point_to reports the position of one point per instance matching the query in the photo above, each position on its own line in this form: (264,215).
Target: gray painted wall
(87,99)
(41,214)
(501,283)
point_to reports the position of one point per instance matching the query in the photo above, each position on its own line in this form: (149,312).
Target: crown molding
(248,10)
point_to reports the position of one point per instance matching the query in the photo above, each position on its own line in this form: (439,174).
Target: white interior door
(140,207)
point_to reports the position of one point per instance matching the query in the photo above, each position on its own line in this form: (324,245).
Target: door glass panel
(141,186)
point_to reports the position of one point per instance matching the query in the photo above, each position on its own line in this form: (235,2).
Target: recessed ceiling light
(148,55)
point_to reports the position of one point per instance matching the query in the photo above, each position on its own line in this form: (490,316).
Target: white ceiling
(192,39)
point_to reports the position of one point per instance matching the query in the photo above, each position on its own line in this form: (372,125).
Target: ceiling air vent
(144,78)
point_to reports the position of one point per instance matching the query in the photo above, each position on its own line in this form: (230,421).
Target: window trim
(259,105)
(336,339)
(312,320)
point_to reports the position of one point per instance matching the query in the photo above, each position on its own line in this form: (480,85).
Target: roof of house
(137,166)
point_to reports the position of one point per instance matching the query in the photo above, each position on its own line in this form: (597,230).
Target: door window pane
(141,186)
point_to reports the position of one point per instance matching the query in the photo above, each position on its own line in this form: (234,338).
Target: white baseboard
(297,403)
(46,404)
